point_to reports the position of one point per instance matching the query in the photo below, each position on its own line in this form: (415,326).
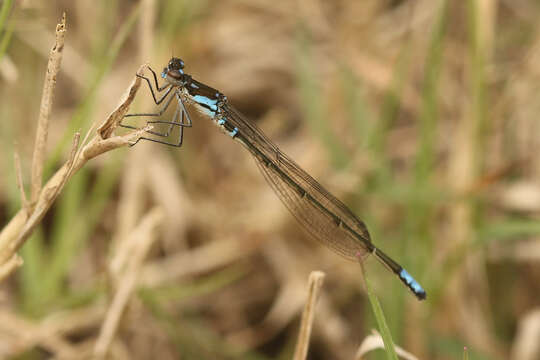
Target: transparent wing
(319,212)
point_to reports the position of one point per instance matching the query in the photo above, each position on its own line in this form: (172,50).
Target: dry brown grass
(423,118)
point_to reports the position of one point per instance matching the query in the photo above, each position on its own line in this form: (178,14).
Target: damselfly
(318,211)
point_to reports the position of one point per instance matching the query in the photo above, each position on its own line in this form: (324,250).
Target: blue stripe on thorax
(206,102)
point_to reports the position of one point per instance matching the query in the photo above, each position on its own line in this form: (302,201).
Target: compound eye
(176,64)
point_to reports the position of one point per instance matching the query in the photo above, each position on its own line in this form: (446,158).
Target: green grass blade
(77,217)
(312,100)
(31,274)
(381,321)
(6,27)
(4,13)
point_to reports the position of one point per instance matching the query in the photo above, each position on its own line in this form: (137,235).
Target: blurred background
(421,115)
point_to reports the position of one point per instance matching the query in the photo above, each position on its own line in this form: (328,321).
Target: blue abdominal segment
(412,284)
(233,133)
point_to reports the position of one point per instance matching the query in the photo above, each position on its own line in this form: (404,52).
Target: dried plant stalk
(526,345)
(9,232)
(374,342)
(147,26)
(29,335)
(15,233)
(142,237)
(316,279)
(11,264)
(106,129)
(53,66)
(21,334)
(19,178)
(199,260)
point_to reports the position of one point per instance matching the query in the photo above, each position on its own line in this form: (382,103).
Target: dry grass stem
(286,304)
(8,70)
(20,182)
(142,237)
(9,266)
(106,129)
(316,279)
(47,196)
(527,251)
(53,66)
(22,334)
(15,233)
(335,329)
(374,342)
(9,232)
(464,169)
(130,210)
(201,259)
(526,345)
(146,27)
(76,320)
(168,191)
(421,116)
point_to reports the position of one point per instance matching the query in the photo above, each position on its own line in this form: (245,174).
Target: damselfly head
(173,69)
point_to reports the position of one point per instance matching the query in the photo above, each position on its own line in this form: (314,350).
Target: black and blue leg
(185,121)
(158,88)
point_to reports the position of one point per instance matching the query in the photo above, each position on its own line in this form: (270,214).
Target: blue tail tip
(412,284)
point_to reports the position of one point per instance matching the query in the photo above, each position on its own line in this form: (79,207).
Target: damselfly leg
(185,120)
(158,88)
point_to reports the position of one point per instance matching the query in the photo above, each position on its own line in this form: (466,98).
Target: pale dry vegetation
(421,115)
